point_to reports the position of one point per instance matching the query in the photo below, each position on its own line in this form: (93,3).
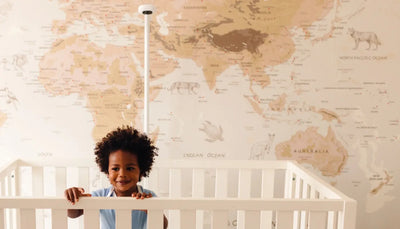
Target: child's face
(123,172)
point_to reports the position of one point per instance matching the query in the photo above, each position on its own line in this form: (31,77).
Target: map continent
(326,154)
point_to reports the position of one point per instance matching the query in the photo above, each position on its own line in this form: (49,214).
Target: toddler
(125,156)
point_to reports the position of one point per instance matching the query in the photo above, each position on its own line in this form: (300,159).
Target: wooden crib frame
(306,201)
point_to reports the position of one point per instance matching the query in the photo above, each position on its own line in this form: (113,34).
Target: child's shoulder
(102,192)
(147,191)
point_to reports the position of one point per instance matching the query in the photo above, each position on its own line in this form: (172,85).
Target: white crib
(218,194)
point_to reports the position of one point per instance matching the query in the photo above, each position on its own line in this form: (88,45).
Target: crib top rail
(128,203)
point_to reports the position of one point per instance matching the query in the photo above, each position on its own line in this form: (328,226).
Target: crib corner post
(348,219)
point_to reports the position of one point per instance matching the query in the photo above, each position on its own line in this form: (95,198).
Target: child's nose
(122,172)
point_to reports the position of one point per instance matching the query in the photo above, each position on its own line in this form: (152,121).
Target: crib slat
(2,219)
(243,192)
(155,219)
(221,183)
(199,219)
(198,192)
(61,181)
(240,218)
(267,191)
(4,187)
(84,178)
(91,218)
(318,220)
(303,219)
(219,220)
(12,192)
(175,183)
(7,218)
(266,219)
(173,218)
(312,193)
(244,183)
(153,180)
(59,218)
(198,183)
(40,218)
(297,193)
(304,214)
(9,184)
(297,190)
(174,191)
(13,183)
(268,178)
(123,219)
(14,218)
(27,218)
(4,213)
(17,181)
(332,220)
(188,218)
(318,195)
(284,219)
(37,181)
(9,212)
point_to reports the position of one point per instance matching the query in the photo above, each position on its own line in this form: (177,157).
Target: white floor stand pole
(146,74)
(146,10)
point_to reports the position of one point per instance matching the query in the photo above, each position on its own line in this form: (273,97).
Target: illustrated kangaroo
(369,37)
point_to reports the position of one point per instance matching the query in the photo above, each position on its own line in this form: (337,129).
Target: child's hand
(73,194)
(141,195)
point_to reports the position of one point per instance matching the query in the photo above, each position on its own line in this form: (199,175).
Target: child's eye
(130,168)
(115,169)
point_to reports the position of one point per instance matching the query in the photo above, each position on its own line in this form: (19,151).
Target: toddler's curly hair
(130,140)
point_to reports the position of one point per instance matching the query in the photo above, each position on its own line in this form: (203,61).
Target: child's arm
(72,195)
(165,222)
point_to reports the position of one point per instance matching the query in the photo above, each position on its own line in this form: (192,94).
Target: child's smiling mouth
(124,182)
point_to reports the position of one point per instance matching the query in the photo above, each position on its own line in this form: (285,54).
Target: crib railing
(283,186)
(298,184)
(187,207)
